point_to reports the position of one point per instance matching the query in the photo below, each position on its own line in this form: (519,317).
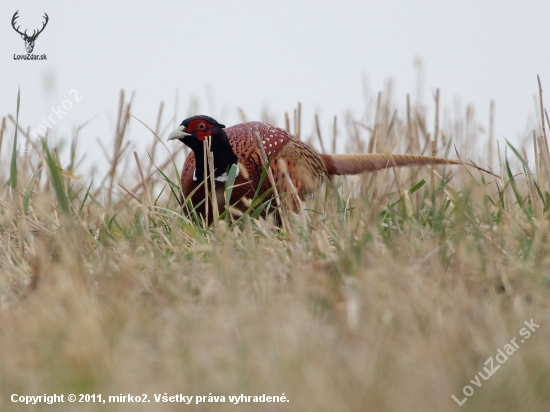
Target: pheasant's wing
(301,162)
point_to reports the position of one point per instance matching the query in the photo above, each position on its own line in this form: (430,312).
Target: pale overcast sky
(260,53)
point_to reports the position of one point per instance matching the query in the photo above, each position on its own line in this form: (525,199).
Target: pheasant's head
(196,129)
(193,131)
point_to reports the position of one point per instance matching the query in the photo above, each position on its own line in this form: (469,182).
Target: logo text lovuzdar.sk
(30,57)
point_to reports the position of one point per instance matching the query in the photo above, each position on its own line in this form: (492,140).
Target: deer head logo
(29,40)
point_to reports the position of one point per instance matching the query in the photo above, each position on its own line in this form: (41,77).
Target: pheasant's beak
(179,134)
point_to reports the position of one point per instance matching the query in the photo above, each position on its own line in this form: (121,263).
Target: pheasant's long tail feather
(358,163)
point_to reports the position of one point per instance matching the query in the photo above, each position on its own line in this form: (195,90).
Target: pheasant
(288,158)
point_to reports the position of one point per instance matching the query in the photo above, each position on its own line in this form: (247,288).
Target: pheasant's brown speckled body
(305,167)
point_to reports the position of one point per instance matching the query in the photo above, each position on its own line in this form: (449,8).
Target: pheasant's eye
(201,126)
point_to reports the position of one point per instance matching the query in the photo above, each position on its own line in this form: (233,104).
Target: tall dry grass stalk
(388,292)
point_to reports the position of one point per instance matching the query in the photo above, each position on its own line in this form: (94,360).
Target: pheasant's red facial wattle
(201,128)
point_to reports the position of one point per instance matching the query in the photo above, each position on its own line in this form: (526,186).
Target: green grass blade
(57,181)
(230,182)
(88,194)
(512,180)
(13,166)
(28,190)
(417,186)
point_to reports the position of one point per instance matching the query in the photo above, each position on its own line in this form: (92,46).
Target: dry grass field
(390,293)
